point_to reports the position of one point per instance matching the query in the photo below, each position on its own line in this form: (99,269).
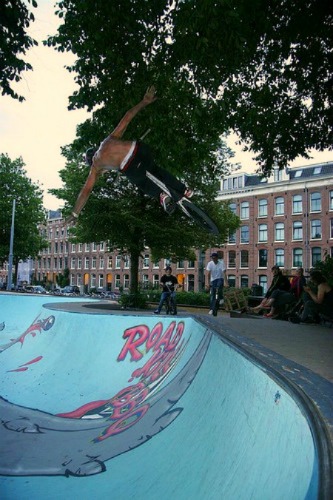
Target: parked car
(112,295)
(34,289)
(70,290)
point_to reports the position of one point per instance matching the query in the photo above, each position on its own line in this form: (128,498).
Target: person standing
(169,284)
(217,278)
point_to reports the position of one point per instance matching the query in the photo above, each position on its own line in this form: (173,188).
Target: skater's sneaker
(167,203)
(211,311)
(188,193)
(157,311)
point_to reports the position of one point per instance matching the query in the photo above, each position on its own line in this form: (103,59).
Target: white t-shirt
(216,270)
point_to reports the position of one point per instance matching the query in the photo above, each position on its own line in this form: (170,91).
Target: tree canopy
(14,41)
(264,66)
(29,213)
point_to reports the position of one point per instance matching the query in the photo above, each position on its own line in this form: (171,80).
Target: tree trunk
(134,269)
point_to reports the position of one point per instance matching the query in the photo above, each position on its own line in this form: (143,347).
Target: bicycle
(188,208)
(170,304)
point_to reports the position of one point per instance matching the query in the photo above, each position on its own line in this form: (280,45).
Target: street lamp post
(11,246)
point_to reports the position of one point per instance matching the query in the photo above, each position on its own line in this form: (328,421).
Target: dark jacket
(280,282)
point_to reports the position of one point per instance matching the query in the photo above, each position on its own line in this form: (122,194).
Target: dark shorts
(142,161)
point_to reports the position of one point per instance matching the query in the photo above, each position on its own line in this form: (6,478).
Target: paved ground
(308,345)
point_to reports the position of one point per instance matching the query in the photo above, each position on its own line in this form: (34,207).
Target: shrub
(136,300)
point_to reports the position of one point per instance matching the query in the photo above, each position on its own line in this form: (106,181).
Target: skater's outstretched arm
(84,194)
(148,98)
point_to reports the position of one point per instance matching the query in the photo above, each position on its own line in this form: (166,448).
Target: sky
(37,128)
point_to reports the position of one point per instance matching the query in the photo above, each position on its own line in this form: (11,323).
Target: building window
(190,283)
(262,208)
(244,234)
(297,257)
(93,263)
(231,280)
(126,262)
(110,262)
(263,282)
(331,201)
(79,279)
(86,263)
(100,281)
(297,204)
(233,207)
(145,281)
(180,264)
(146,260)
(101,246)
(87,247)
(101,262)
(263,254)
(191,264)
(244,281)
(279,231)
(73,247)
(118,261)
(73,263)
(79,263)
(331,229)
(245,210)
(279,257)
(297,230)
(244,258)
(117,281)
(232,259)
(126,281)
(315,229)
(279,205)
(262,236)
(156,281)
(277,174)
(79,249)
(93,281)
(94,247)
(232,238)
(315,202)
(316,255)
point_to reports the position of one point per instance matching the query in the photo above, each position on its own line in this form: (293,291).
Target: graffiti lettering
(139,336)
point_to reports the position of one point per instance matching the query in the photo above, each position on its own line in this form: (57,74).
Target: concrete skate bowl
(129,406)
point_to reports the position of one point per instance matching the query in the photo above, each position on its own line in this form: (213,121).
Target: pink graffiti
(37,326)
(140,336)
(130,404)
(24,367)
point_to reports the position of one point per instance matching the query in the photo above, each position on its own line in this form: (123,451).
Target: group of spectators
(297,300)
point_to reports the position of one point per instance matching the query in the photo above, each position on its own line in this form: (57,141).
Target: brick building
(285,220)
(92,265)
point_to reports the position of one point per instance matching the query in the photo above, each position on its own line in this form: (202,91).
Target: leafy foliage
(326,268)
(119,213)
(29,212)
(112,77)
(264,66)
(14,41)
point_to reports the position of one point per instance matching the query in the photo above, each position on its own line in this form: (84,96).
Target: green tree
(265,66)
(326,268)
(119,213)
(14,41)
(29,213)
(185,130)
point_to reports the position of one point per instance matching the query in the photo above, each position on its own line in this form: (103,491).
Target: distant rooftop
(243,180)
